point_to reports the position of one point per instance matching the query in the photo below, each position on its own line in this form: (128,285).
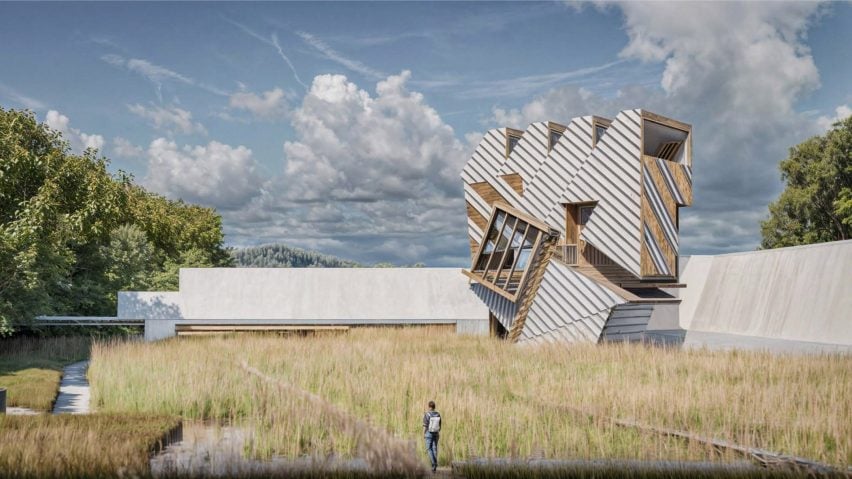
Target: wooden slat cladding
(515,181)
(669,255)
(646,263)
(474,247)
(592,255)
(681,180)
(487,193)
(477,218)
(668,150)
(652,169)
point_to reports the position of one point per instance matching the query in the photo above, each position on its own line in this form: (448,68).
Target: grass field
(31,368)
(67,446)
(335,394)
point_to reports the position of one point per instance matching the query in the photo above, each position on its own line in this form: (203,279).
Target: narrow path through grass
(31,368)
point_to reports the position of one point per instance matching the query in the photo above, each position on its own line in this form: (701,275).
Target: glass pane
(554,137)
(510,258)
(516,240)
(600,131)
(483,261)
(585,214)
(523,259)
(512,142)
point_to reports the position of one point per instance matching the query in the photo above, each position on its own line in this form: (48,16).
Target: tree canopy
(816,205)
(72,233)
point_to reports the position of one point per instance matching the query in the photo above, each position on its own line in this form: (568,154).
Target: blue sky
(342,126)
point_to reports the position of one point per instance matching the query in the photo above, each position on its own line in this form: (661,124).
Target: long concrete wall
(797,298)
(321,296)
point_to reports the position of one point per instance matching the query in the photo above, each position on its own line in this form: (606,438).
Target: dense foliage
(283,256)
(816,205)
(72,233)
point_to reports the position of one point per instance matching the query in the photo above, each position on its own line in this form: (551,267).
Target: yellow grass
(497,400)
(31,368)
(67,446)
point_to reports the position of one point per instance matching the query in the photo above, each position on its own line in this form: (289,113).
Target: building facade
(573,228)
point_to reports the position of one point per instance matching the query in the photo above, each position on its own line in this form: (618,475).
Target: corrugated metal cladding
(568,307)
(627,322)
(503,309)
(611,176)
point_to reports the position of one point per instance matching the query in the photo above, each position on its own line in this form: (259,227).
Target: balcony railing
(569,253)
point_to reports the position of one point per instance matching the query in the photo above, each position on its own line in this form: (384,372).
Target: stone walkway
(74,390)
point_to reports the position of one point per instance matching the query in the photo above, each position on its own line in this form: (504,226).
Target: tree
(816,205)
(72,233)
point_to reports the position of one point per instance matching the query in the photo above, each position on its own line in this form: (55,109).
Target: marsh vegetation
(327,396)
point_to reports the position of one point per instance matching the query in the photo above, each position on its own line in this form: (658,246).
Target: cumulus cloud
(735,72)
(368,176)
(840,113)
(215,174)
(123,148)
(170,118)
(269,104)
(77,140)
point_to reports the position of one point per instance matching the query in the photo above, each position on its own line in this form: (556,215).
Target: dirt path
(74,390)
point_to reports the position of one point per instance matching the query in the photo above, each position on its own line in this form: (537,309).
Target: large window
(507,251)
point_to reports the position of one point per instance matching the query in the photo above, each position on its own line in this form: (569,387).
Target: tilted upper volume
(598,196)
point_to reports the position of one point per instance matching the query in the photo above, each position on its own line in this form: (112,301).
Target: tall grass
(497,400)
(68,446)
(31,368)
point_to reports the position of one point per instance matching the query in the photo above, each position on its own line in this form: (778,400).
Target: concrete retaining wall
(797,298)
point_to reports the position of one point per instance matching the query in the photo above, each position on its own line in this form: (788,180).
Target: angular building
(573,227)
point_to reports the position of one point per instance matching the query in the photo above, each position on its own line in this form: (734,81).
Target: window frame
(554,128)
(599,122)
(534,232)
(512,134)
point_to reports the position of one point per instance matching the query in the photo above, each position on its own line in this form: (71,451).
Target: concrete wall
(364,294)
(797,298)
(330,296)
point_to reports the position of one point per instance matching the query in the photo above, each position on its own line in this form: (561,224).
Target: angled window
(666,139)
(512,138)
(555,132)
(600,126)
(510,244)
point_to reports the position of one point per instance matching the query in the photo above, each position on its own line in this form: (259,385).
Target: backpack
(434,423)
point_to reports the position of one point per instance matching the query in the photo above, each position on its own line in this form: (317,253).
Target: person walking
(432,431)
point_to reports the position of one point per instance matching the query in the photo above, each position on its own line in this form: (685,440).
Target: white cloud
(77,140)
(215,174)
(749,56)
(353,146)
(840,113)
(735,72)
(170,118)
(269,104)
(333,55)
(21,99)
(157,74)
(369,176)
(123,148)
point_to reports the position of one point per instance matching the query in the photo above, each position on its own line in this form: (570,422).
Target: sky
(342,127)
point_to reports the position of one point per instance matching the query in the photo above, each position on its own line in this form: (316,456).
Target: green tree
(816,205)
(72,234)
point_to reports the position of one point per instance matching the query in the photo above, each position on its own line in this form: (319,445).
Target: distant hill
(283,256)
